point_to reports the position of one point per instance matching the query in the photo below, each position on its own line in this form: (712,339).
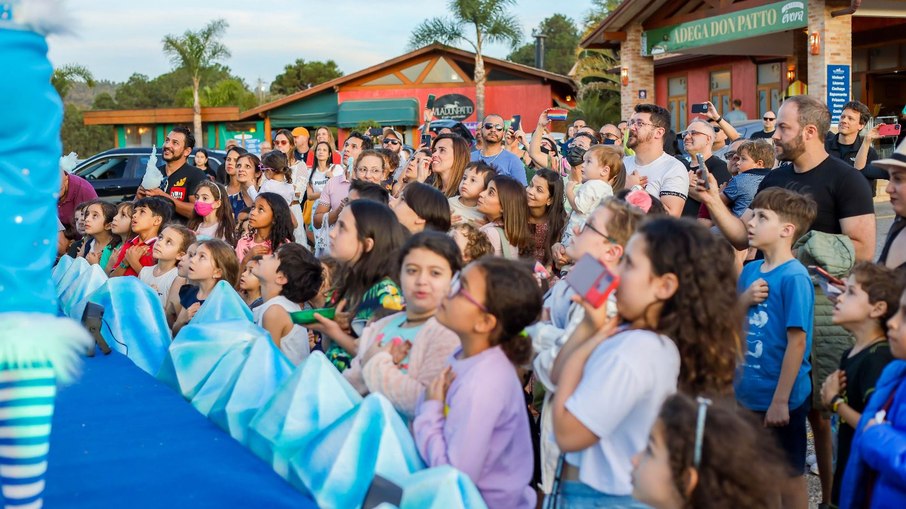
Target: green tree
(226,92)
(475,22)
(600,9)
(85,140)
(194,52)
(559,46)
(104,101)
(302,75)
(64,77)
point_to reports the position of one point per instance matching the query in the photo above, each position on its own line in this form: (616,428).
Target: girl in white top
(601,172)
(277,175)
(290,276)
(680,329)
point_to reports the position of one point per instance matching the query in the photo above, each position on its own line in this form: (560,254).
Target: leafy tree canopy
(302,75)
(559,45)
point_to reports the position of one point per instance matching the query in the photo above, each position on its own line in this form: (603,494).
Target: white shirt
(666,175)
(466,214)
(588,196)
(624,383)
(284,189)
(160,284)
(319,179)
(295,344)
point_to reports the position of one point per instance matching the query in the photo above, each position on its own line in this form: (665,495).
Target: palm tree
(598,86)
(475,22)
(195,52)
(64,77)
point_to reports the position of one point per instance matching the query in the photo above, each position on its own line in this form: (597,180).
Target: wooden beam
(706,13)
(615,36)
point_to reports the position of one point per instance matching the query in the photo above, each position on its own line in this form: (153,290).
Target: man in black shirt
(768,120)
(697,139)
(847,145)
(182,178)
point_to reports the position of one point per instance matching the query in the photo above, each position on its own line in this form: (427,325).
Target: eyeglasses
(281,142)
(610,136)
(768,119)
(496,127)
(391,141)
(638,124)
(693,133)
(588,225)
(457,289)
(731,154)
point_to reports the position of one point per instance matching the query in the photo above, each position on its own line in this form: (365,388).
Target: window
(768,90)
(139,136)
(443,72)
(113,167)
(720,91)
(676,90)
(412,73)
(388,79)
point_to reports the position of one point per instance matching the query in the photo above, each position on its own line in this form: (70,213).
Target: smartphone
(375,132)
(703,170)
(889,129)
(830,285)
(826,275)
(516,123)
(430,103)
(557,114)
(700,108)
(307,316)
(591,279)
(426,140)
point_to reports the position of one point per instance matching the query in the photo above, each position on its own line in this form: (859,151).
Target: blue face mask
(608,141)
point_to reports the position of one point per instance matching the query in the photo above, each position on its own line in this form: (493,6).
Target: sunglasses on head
(496,127)
(391,141)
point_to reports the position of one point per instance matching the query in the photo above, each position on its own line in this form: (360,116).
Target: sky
(115,39)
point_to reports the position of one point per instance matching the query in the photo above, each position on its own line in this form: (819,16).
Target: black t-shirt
(847,153)
(862,373)
(761,135)
(838,189)
(182,182)
(719,169)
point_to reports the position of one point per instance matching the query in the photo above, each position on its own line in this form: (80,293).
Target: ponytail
(513,297)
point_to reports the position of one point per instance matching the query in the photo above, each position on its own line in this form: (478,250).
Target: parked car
(116,174)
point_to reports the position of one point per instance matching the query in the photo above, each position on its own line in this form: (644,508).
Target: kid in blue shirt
(774,379)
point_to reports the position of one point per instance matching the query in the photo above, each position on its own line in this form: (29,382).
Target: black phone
(700,108)
(703,170)
(591,280)
(516,123)
(426,140)
(375,132)
(430,103)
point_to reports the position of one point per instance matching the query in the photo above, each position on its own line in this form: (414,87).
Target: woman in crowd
(449,157)
(323,134)
(547,216)
(422,207)
(232,184)
(506,207)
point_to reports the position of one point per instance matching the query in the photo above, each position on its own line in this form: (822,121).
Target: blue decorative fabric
(314,397)
(199,348)
(122,439)
(72,274)
(134,321)
(75,297)
(222,304)
(342,460)
(60,268)
(265,369)
(440,488)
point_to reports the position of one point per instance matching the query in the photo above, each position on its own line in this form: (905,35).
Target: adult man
(74,191)
(767,120)
(335,194)
(179,186)
(611,135)
(697,139)
(847,145)
(723,130)
(493,153)
(736,115)
(662,175)
(301,137)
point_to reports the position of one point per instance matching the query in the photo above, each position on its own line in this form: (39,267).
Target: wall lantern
(624,76)
(791,74)
(814,43)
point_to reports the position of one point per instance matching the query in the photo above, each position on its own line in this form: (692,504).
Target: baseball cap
(300,131)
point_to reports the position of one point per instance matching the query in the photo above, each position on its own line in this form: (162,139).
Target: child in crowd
(99,217)
(364,241)
(121,228)
(422,207)
(705,455)
(242,223)
(364,190)
(601,173)
(172,307)
(871,298)
(249,287)
(680,331)
(778,293)
(288,278)
(463,422)
(506,207)
(753,161)
(271,226)
(148,217)
(464,206)
(214,260)
(247,168)
(172,244)
(330,269)
(400,355)
(277,177)
(473,244)
(77,231)
(212,217)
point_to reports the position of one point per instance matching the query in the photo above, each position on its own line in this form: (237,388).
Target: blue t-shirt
(506,163)
(790,304)
(742,188)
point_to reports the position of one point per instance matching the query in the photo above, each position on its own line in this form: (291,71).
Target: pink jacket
(429,355)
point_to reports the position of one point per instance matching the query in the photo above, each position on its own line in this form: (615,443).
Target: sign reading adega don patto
(767,19)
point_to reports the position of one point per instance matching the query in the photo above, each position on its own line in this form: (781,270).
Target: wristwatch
(835,403)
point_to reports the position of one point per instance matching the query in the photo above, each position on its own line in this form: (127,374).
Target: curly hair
(477,243)
(745,474)
(882,285)
(282,222)
(703,317)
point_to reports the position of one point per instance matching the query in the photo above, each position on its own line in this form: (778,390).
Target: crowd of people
(443,270)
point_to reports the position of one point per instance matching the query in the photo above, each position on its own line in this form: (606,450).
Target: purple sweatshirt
(486,430)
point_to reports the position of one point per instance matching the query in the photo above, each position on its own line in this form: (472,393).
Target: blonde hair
(612,157)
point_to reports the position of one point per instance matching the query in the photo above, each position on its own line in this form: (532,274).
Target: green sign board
(767,19)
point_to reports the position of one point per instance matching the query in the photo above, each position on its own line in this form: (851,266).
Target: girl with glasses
(474,416)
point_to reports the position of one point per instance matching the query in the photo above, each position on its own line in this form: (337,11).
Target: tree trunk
(480,80)
(196,113)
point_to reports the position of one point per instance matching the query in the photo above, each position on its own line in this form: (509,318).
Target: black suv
(116,174)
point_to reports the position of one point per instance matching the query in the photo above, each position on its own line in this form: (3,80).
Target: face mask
(203,209)
(575,156)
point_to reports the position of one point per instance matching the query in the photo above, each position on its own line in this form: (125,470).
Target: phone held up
(516,123)
(699,108)
(592,280)
(557,114)
(703,170)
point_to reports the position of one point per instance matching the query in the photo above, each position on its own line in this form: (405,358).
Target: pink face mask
(203,209)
